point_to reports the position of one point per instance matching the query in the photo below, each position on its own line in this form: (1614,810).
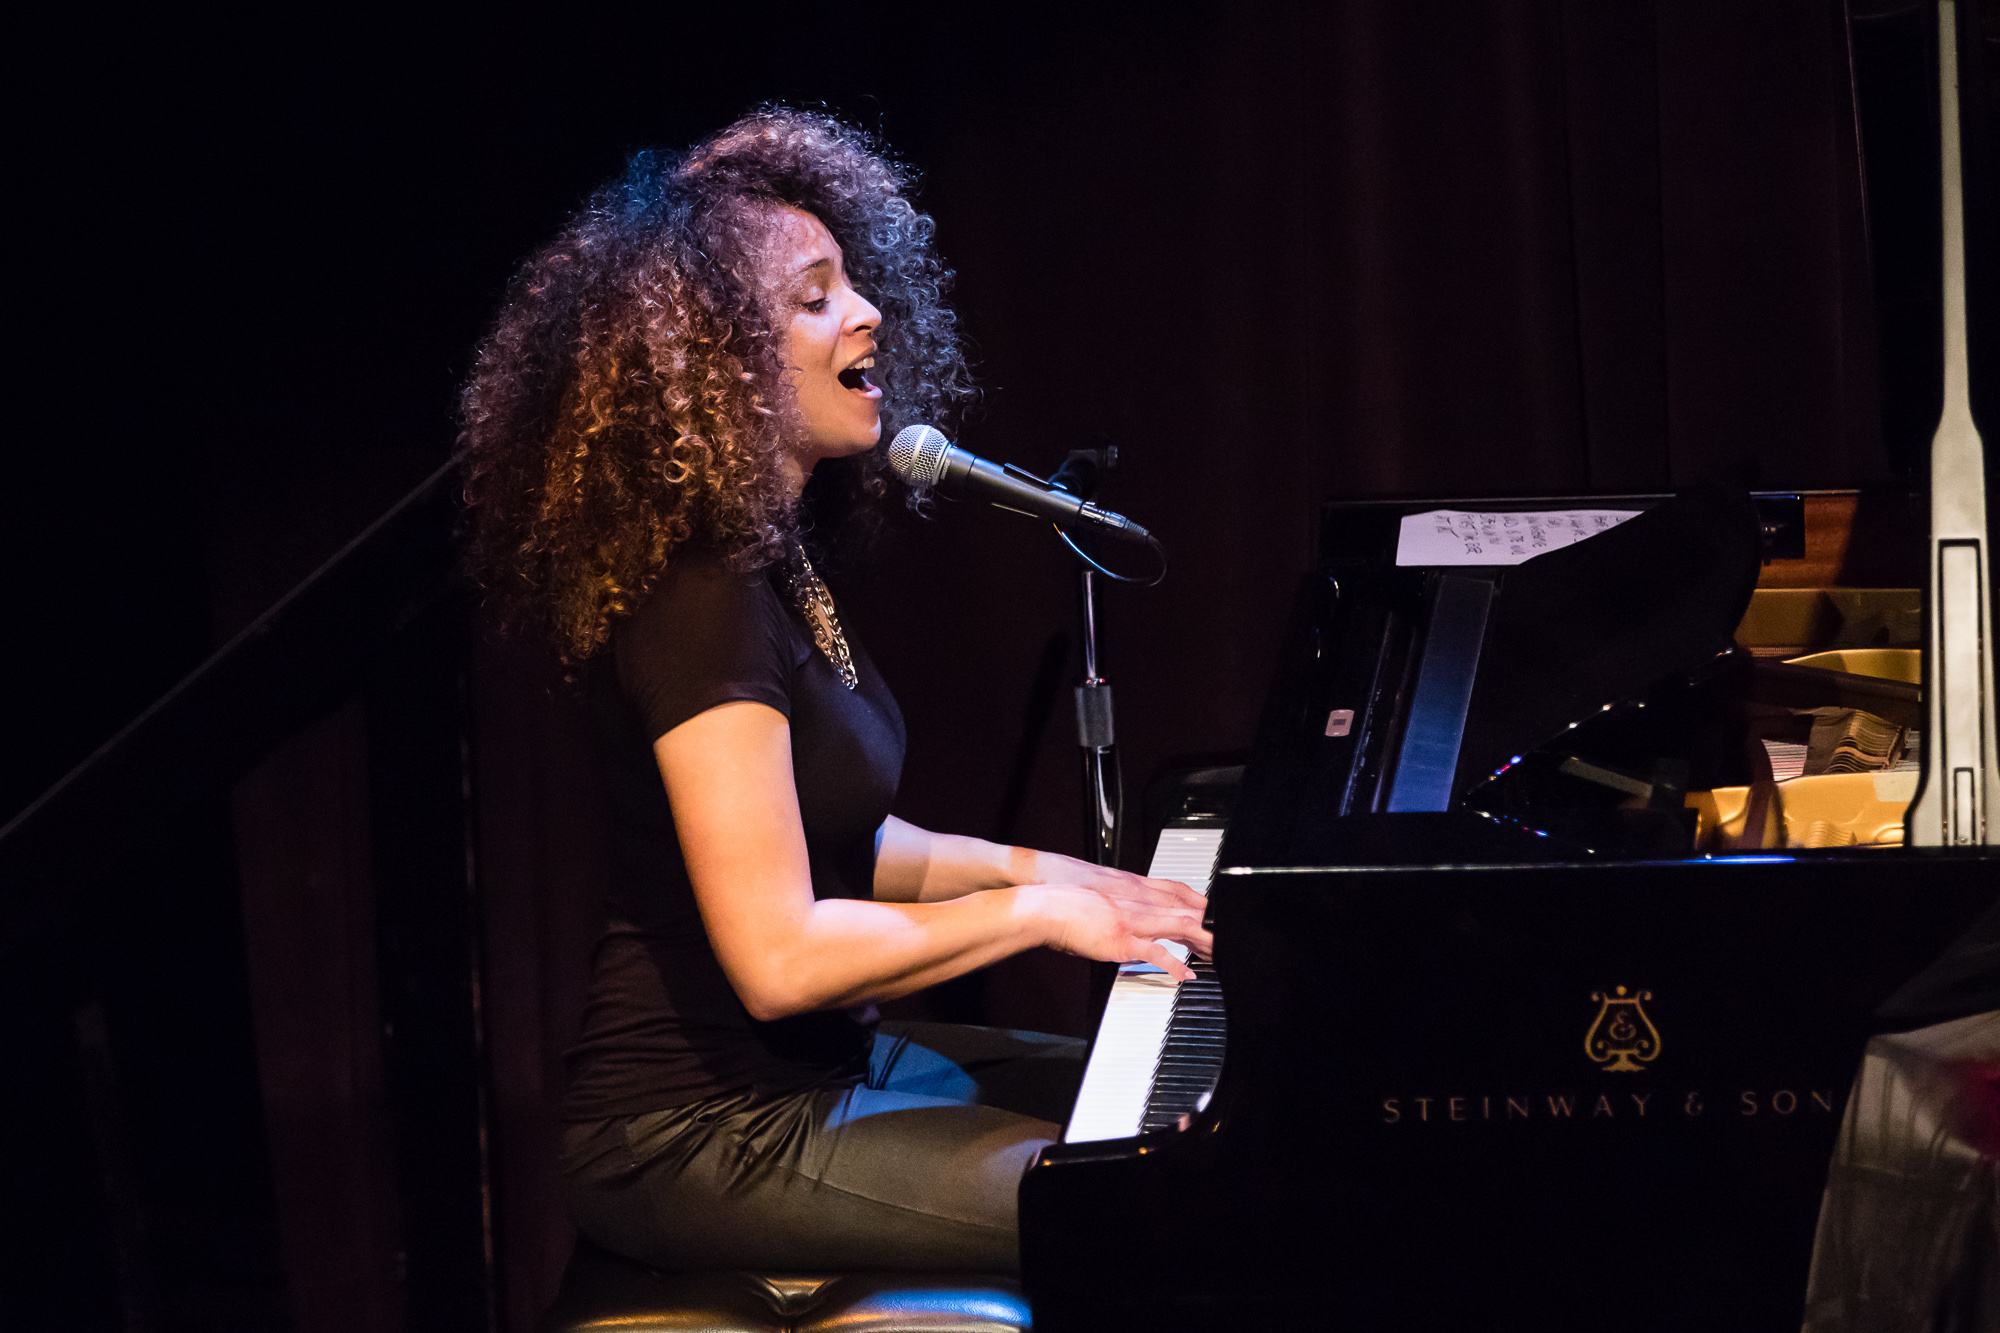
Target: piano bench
(602,1291)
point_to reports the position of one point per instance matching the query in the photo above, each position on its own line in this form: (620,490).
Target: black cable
(1151,541)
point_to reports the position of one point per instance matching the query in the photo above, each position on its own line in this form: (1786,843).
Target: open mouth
(856,376)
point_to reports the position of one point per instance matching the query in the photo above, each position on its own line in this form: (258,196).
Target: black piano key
(1178,1059)
(1168,1078)
(1191,1054)
(1192,1078)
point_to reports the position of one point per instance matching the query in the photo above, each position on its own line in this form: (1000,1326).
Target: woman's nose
(863,316)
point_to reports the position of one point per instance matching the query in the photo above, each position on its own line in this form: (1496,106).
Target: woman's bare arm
(728,774)
(916,865)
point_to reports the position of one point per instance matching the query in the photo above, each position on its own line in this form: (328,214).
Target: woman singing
(678,410)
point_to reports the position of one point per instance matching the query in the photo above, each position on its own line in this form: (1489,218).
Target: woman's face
(829,342)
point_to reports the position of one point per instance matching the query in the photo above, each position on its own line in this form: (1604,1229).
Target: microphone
(924,458)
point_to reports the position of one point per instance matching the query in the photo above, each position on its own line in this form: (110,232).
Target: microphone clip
(1083,469)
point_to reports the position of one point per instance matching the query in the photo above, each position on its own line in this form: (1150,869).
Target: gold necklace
(815,603)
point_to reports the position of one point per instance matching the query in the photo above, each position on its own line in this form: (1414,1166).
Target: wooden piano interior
(1848,601)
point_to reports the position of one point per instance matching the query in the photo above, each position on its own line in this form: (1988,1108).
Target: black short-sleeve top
(662,1027)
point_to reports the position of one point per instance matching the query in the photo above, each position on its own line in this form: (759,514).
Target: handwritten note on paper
(1460,537)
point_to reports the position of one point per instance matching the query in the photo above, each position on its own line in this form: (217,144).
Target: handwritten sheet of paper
(1460,537)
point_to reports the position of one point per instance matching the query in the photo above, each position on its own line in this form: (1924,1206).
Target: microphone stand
(1096,736)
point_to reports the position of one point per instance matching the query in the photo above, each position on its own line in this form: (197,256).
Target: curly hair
(630,399)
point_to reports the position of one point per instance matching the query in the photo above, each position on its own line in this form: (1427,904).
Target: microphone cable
(1112,574)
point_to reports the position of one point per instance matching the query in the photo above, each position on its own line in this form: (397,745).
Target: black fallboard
(1425,1121)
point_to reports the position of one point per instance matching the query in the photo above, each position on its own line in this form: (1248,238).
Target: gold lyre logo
(1622,1039)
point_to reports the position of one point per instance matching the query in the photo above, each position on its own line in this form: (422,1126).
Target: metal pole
(1103,783)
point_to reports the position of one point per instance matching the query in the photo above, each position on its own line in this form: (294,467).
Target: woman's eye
(818,306)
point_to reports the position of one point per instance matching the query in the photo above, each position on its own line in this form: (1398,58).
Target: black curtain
(1316,252)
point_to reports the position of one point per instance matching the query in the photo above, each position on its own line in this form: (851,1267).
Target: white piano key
(1188,855)
(1112,1100)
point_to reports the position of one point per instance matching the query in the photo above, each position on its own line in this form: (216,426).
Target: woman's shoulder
(705,622)
(702,593)
(703,582)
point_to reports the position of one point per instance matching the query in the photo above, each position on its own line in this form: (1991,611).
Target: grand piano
(1571,871)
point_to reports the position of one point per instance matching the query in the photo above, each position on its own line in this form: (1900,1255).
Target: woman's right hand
(1088,924)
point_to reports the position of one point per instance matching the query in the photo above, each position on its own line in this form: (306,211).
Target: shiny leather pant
(916,1168)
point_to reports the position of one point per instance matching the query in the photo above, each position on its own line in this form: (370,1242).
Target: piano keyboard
(1159,1046)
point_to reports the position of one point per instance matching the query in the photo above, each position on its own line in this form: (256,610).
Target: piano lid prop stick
(1960,799)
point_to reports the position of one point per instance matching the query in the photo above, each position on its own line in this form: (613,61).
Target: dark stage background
(1276,252)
